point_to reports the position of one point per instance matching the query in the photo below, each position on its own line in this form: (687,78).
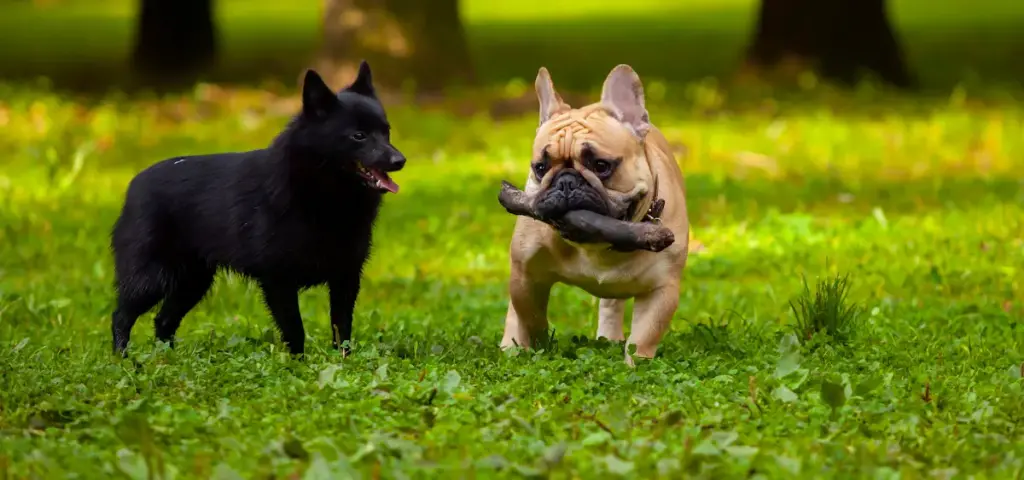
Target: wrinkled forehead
(564,135)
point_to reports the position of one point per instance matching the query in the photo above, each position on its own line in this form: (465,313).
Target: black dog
(291,216)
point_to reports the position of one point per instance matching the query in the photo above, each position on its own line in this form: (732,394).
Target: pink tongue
(385,181)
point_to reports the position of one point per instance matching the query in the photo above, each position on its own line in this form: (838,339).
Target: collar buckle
(653,214)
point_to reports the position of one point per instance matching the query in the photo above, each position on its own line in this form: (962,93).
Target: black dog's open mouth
(376,178)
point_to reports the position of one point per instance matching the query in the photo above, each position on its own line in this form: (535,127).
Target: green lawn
(920,202)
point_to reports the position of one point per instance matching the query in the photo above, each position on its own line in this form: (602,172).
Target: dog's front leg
(344,291)
(283,303)
(609,323)
(527,319)
(652,314)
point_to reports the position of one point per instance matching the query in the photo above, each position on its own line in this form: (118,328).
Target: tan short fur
(617,127)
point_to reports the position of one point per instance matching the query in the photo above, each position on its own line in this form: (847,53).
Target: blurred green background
(87,42)
(917,194)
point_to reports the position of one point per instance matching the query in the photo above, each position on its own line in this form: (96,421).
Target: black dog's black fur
(297,214)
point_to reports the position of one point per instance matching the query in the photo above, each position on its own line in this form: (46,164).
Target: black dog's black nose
(397,161)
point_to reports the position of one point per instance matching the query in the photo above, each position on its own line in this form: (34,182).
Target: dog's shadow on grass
(705,342)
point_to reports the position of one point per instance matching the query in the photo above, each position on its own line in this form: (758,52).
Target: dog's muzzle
(569,191)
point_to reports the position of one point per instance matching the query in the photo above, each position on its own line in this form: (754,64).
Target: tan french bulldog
(606,157)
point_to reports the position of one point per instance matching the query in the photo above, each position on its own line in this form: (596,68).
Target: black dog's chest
(296,245)
(308,255)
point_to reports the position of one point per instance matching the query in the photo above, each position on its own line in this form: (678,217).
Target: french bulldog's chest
(611,275)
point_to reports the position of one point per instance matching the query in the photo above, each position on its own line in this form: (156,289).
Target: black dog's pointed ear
(363,84)
(317,98)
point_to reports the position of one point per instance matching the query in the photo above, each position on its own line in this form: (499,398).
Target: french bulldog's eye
(359,136)
(602,168)
(540,168)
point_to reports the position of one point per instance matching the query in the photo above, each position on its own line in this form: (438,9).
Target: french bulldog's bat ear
(363,84)
(550,102)
(317,98)
(623,96)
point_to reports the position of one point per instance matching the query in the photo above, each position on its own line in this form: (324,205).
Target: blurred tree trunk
(174,38)
(419,40)
(840,38)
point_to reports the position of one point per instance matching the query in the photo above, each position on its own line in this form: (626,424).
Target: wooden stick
(584,226)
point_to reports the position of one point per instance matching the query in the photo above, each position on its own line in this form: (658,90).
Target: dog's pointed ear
(623,96)
(550,101)
(317,98)
(363,84)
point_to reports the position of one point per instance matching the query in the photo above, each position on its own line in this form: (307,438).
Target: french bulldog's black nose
(396,162)
(567,180)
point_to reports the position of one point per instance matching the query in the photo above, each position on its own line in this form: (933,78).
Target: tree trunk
(418,40)
(840,38)
(174,38)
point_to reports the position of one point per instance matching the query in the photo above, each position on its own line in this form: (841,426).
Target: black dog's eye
(603,168)
(359,136)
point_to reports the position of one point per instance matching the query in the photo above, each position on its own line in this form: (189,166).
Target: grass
(918,200)
(826,311)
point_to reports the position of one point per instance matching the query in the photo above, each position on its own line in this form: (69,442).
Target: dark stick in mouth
(584,226)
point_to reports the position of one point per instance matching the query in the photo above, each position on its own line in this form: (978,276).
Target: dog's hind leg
(652,314)
(136,295)
(283,303)
(609,323)
(188,290)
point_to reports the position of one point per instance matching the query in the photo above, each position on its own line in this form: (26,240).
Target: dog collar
(657,205)
(653,214)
